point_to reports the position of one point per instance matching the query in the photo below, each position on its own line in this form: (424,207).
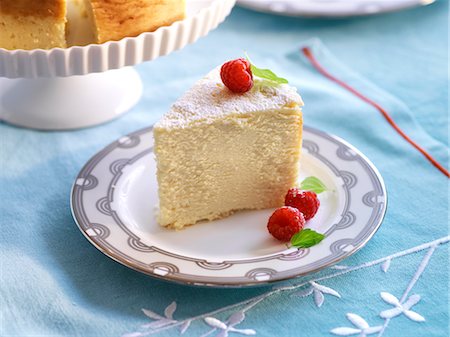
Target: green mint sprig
(266,74)
(313,184)
(306,238)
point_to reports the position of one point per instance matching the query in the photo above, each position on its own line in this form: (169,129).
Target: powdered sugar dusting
(209,99)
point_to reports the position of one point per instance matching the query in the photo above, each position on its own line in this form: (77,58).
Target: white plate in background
(330,8)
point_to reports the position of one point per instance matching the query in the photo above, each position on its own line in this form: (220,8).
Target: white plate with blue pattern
(114,202)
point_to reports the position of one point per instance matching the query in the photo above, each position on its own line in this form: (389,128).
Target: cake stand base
(74,102)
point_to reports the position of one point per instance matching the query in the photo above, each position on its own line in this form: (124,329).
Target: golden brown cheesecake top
(37,8)
(118,18)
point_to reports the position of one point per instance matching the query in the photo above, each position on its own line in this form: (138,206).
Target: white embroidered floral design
(401,308)
(161,321)
(403,305)
(185,326)
(229,326)
(318,292)
(363,328)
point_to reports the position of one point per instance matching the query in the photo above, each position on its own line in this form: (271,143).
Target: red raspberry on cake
(237,75)
(285,222)
(305,201)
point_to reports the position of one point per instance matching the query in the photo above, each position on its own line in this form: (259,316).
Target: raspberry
(285,222)
(237,75)
(305,201)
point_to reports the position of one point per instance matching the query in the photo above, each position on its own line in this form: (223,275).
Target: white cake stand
(77,87)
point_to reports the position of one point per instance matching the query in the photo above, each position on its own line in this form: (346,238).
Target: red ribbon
(309,55)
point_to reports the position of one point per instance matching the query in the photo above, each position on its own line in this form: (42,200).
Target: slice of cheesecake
(218,152)
(115,19)
(28,24)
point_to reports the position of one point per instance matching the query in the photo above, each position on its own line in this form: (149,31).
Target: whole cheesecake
(218,152)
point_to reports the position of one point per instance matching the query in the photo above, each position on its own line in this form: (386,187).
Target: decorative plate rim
(215,283)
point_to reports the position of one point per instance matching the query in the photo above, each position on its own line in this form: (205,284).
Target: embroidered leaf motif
(236,318)
(185,326)
(372,329)
(151,314)
(170,310)
(247,332)
(160,321)
(401,308)
(325,290)
(318,290)
(412,300)
(215,323)
(318,298)
(358,321)
(389,298)
(385,266)
(391,313)
(345,331)
(233,320)
(414,316)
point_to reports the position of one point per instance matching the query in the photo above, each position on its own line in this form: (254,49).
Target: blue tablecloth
(54,283)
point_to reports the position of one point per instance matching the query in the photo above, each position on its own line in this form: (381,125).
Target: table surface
(54,283)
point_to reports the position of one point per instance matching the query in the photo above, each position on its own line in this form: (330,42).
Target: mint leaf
(265,73)
(313,184)
(306,238)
